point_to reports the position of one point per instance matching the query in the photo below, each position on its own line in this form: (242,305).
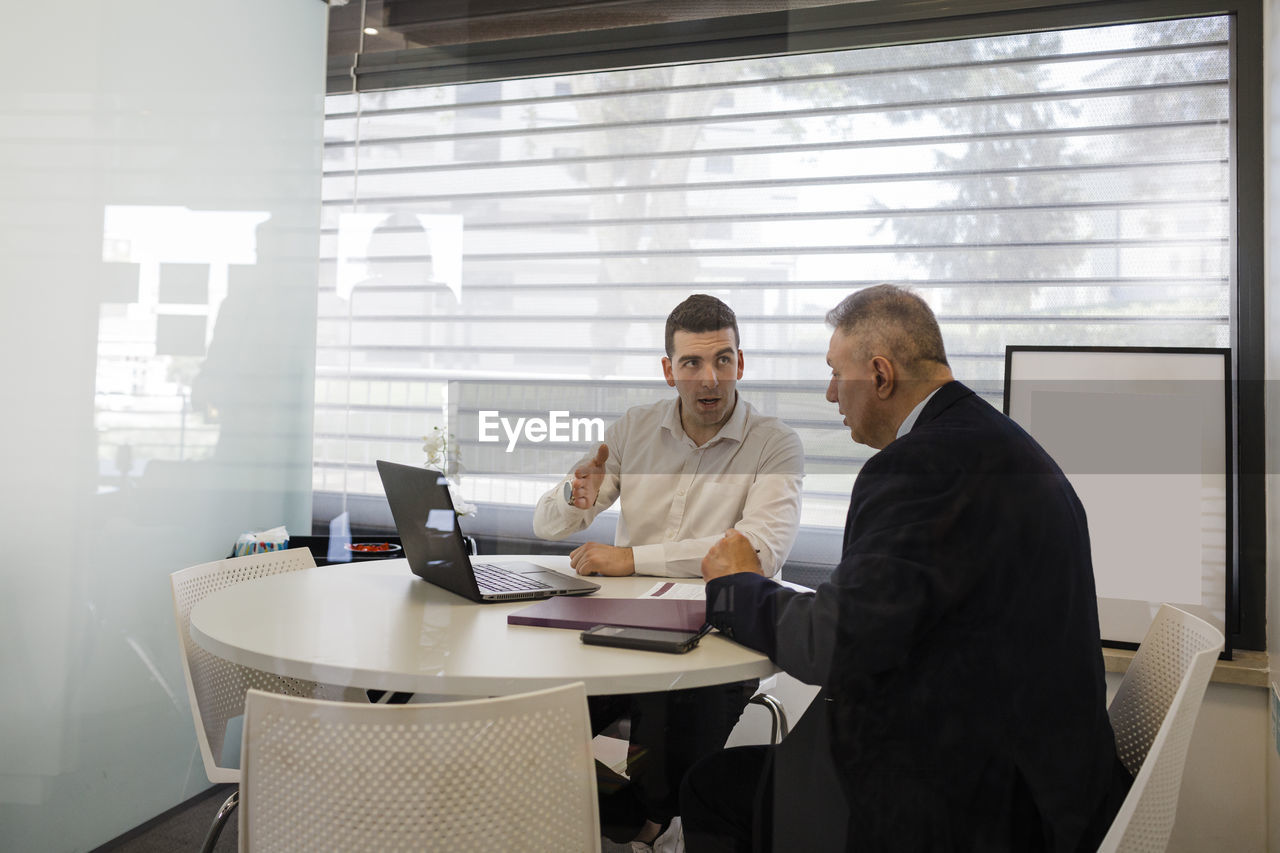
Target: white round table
(375,625)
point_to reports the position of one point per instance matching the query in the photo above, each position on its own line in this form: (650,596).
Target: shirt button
(681,492)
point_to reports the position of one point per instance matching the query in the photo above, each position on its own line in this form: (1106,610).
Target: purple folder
(680,614)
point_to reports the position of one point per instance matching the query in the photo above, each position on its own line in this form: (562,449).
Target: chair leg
(219,821)
(778,727)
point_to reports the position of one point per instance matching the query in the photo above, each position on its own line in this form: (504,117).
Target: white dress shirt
(910,420)
(679,498)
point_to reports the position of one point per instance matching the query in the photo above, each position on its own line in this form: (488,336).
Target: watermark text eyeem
(557,427)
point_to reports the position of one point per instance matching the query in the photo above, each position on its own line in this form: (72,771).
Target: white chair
(1153,714)
(216,687)
(511,773)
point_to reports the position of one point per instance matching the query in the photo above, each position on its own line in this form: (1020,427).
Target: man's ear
(883,376)
(667,372)
(741,363)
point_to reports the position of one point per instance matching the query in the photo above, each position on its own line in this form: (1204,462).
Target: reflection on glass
(169,272)
(441,520)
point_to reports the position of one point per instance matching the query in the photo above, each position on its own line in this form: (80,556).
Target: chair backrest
(216,687)
(511,773)
(1153,714)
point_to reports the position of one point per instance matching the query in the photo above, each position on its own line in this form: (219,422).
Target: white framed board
(1145,437)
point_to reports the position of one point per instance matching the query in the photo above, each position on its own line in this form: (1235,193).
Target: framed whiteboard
(1144,436)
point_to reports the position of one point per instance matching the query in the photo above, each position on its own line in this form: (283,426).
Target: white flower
(441,450)
(460,504)
(442,453)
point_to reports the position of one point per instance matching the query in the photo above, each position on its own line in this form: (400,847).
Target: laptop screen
(428,526)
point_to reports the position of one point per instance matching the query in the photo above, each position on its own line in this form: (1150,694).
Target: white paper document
(670,589)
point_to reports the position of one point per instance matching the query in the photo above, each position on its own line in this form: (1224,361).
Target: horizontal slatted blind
(515,246)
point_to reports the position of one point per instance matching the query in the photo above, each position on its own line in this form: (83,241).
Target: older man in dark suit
(956,643)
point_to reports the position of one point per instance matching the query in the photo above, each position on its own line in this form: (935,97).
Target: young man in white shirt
(685,469)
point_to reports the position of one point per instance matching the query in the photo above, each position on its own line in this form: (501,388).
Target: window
(515,245)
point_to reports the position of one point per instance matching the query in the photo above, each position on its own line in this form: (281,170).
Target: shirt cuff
(650,559)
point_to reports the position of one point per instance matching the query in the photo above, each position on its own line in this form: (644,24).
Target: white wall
(109,114)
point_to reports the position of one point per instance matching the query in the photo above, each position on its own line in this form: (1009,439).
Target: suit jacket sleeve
(904,565)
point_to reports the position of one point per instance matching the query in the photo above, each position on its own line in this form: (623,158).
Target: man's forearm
(795,629)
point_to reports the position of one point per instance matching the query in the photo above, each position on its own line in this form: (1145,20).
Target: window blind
(515,245)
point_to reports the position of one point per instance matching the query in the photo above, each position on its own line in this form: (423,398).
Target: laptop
(433,543)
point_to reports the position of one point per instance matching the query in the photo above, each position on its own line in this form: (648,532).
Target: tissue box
(275,539)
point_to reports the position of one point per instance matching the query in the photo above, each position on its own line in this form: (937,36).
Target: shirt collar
(734,429)
(914,415)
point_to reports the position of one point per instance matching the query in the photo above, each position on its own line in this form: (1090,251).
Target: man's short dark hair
(894,317)
(701,313)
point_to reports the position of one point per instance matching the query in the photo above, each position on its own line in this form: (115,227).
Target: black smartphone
(650,639)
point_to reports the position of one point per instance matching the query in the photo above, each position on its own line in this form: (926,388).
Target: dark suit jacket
(957,642)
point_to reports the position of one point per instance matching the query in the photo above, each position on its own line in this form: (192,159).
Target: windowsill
(1248,668)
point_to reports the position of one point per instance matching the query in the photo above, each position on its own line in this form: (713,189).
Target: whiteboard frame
(1123,621)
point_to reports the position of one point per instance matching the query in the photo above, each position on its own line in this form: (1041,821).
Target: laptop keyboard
(491,577)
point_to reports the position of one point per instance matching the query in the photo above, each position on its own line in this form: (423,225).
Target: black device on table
(649,639)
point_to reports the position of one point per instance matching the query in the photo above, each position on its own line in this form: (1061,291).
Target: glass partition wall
(157,325)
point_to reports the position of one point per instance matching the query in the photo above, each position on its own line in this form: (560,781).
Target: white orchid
(442,453)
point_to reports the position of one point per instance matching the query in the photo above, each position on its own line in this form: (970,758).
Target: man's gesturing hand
(731,555)
(587,479)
